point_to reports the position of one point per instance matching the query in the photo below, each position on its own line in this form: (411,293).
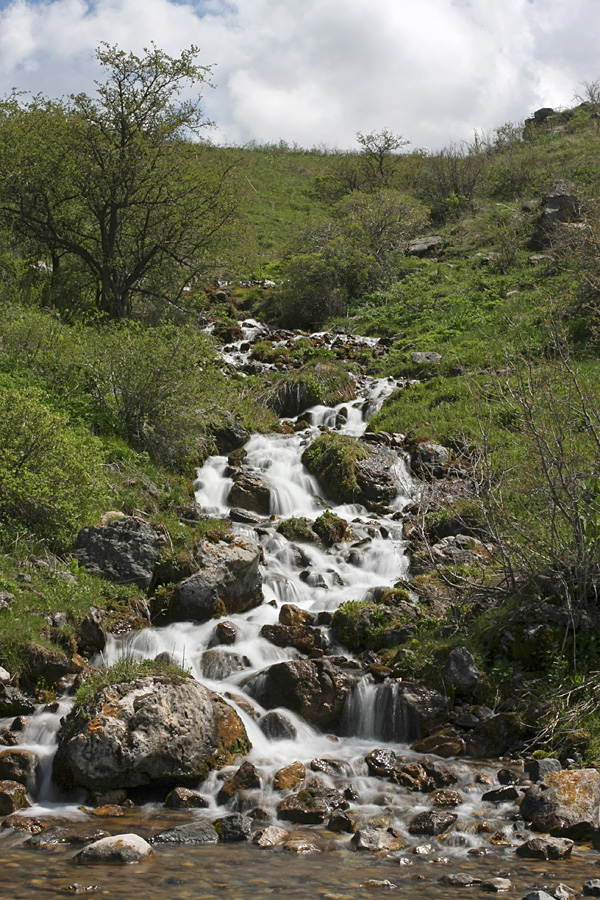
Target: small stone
(375,883)
(445,798)
(108,811)
(592,888)
(496,885)
(501,795)
(545,848)
(376,840)
(23,823)
(77,888)
(4,676)
(563,892)
(460,879)
(301,845)
(431,823)
(13,796)
(120,848)
(234,828)
(200,832)
(272,836)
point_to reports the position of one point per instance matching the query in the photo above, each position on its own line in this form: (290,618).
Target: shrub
(51,474)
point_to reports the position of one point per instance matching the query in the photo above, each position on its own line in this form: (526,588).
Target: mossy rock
(297,530)
(332,529)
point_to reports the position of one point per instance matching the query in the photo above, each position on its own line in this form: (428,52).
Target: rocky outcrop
(228,581)
(430,460)
(566,804)
(377,483)
(125,551)
(352,471)
(155,730)
(460,670)
(424,246)
(560,204)
(231,437)
(316,690)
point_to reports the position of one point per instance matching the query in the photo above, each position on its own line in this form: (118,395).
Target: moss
(332,529)
(332,459)
(297,529)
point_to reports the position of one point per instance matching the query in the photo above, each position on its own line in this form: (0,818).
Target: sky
(315,72)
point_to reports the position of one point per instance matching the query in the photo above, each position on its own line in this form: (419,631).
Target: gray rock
(460,669)
(234,828)
(537,769)
(312,805)
(199,832)
(423,246)
(219,664)
(13,796)
(120,848)
(460,879)
(14,703)
(228,581)
(567,804)
(152,730)
(21,766)
(496,885)
(125,551)
(376,840)
(277,727)
(375,476)
(538,895)
(430,460)
(271,836)
(430,822)
(592,888)
(545,848)
(91,635)
(184,798)
(427,357)
(559,205)
(231,437)
(4,676)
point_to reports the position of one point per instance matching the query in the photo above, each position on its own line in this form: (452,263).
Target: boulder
(13,796)
(424,246)
(199,832)
(375,476)
(537,769)
(218,664)
(430,460)
(376,840)
(315,689)
(272,836)
(506,794)
(21,766)
(154,730)
(234,828)
(228,581)
(277,727)
(460,670)
(231,437)
(422,709)
(184,798)
(289,614)
(250,492)
(125,551)
(289,777)
(120,848)
(444,743)
(225,633)
(495,736)
(560,204)
(91,636)
(545,848)
(566,804)
(302,637)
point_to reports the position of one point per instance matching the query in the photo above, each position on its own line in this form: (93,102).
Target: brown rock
(289,614)
(19,765)
(272,836)
(444,743)
(431,822)
(184,798)
(13,796)
(108,811)
(289,777)
(445,798)
(545,848)
(567,804)
(246,778)
(23,823)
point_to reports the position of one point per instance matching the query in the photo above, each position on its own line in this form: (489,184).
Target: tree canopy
(121,182)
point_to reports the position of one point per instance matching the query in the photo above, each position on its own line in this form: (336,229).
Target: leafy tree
(119,180)
(372,169)
(379,152)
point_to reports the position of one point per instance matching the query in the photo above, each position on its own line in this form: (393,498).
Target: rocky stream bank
(278,751)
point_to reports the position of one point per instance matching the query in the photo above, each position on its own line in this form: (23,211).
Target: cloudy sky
(317,71)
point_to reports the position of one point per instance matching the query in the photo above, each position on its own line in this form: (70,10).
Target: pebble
(374,883)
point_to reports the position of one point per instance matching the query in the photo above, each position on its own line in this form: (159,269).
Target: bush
(51,474)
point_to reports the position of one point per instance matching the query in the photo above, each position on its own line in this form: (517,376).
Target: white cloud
(319,70)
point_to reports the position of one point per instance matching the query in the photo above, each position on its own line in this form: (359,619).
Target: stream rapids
(483,839)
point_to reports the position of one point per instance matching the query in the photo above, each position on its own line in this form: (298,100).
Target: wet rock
(60,835)
(184,798)
(444,743)
(125,551)
(545,848)
(332,529)
(424,776)
(27,824)
(591,888)
(423,709)
(45,664)
(312,805)
(507,776)
(430,460)
(507,794)
(331,766)
(234,828)
(199,832)
(231,437)
(289,777)
(13,796)
(219,664)
(21,766)
(272,836)
(109,811)
(250,492)
(460,879)
(245,779)
(537,769)
(302,637)
(302,845)
(121,848)
(340,822)
(14,703)
(496,885)
(539,895)
(459,669)
(431,822)
(228,581)
(289,614)
(567,804)
(372,480)
(277,727)
(382,763)
(151,730)
(245,517)
(377,884)
(444,797)
(225,633)
(316,690)
(376,840)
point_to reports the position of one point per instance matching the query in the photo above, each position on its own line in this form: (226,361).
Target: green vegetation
(332,458)
(124,671)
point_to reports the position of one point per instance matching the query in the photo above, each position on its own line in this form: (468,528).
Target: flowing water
(317,580)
